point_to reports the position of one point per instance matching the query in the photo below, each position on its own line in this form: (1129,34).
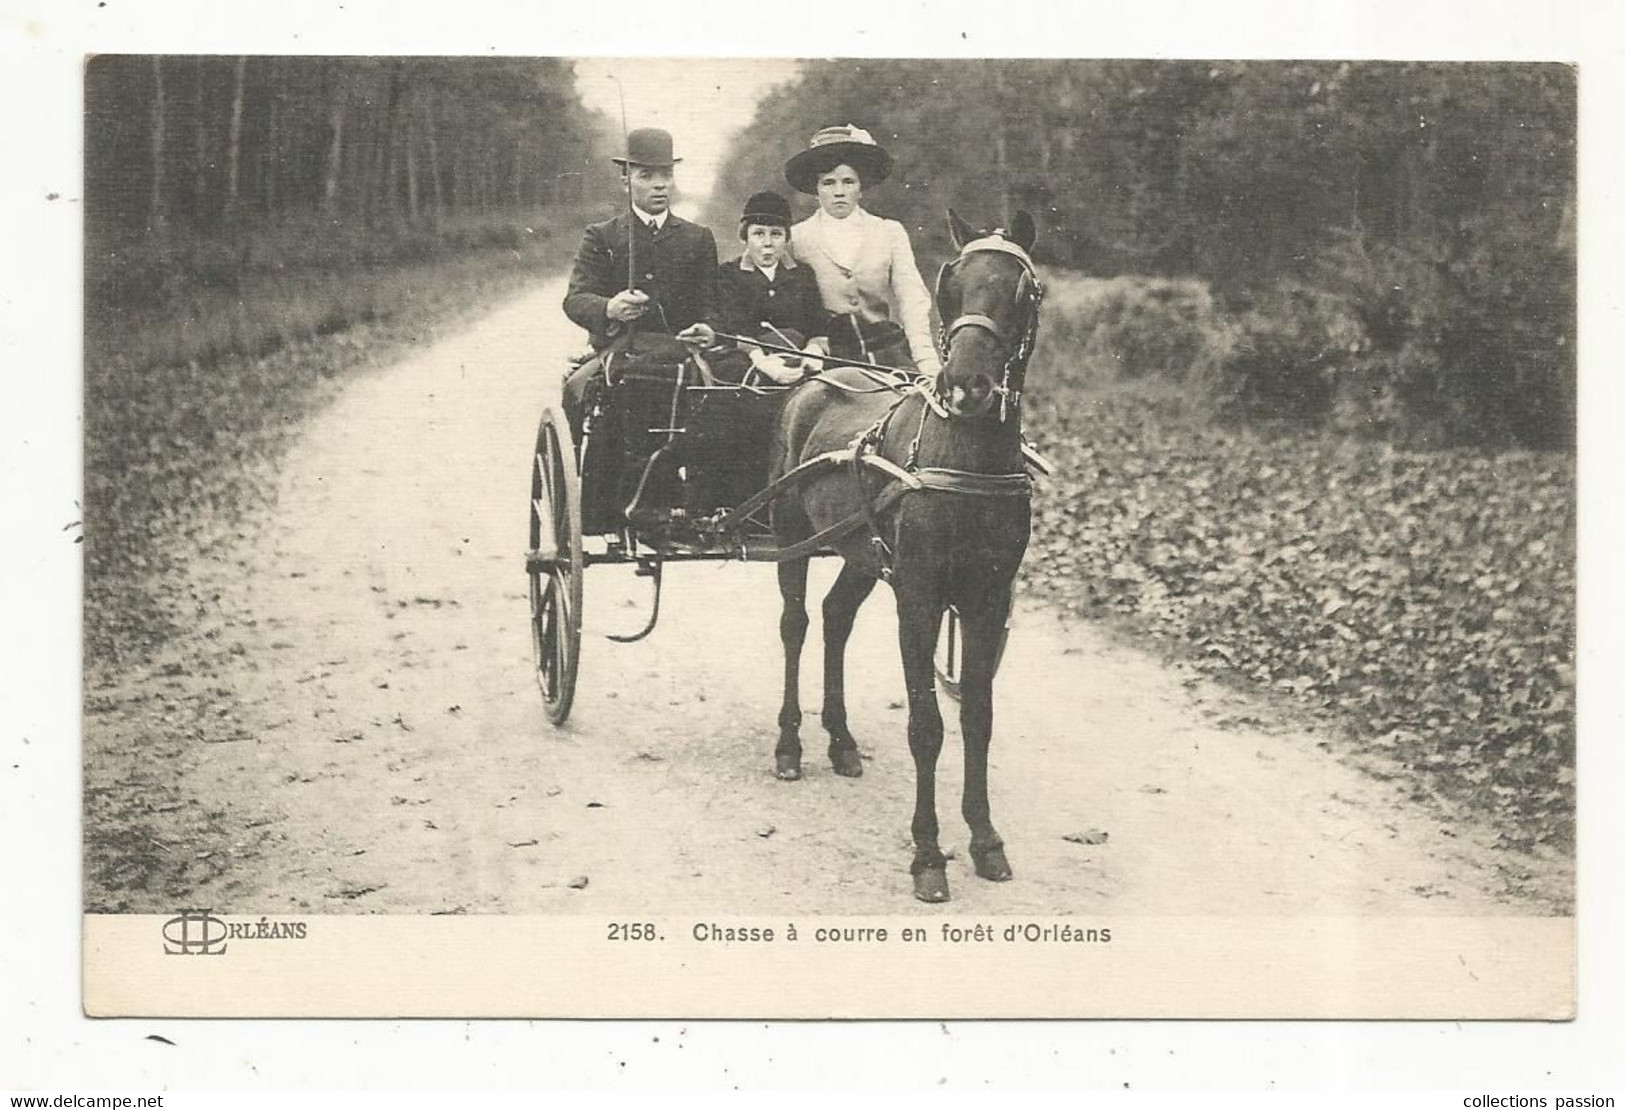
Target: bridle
(1017,347)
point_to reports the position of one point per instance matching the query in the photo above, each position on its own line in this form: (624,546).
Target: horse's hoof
(846,761)
(931,884)
(992,865)
(787,767)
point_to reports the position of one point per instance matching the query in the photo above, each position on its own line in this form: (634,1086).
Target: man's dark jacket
(677,267)
(791,301)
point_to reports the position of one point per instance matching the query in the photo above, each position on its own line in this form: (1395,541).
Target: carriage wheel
(950,655)
(554,564)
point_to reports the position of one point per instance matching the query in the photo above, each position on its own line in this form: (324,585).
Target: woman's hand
(775,368)
(818,347)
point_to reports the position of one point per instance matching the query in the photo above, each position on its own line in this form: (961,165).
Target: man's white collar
(659,221)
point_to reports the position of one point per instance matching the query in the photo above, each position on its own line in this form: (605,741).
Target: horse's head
(988,300)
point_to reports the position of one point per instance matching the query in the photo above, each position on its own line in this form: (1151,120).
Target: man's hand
(627,305)
(697,335)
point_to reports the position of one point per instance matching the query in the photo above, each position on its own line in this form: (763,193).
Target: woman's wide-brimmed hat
(768,209)
(648,146)
(834,146)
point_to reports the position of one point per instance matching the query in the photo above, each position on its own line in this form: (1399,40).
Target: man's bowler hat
(648,146)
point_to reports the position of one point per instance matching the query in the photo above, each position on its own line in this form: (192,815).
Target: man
(673,283)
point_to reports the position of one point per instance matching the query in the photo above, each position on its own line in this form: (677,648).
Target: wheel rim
(555,587)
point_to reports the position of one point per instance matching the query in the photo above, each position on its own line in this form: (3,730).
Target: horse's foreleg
(917,623)
(841,606)
(983,625)
(793,633)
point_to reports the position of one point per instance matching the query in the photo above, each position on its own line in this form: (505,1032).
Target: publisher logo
(195,933)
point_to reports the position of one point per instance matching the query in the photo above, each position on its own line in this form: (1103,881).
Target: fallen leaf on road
(1093,836)
(531,843)
(766,831)
(578,883)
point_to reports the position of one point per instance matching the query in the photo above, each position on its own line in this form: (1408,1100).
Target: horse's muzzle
(965,400)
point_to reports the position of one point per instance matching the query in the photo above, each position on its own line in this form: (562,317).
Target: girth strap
(934,479)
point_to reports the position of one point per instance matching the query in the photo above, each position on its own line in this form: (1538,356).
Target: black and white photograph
(673,492)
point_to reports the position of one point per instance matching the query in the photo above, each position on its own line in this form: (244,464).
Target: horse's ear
(1023,232)
(961,231)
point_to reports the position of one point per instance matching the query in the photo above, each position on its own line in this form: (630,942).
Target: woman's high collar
(859,215)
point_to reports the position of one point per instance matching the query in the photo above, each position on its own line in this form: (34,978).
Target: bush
(1471,348)
(1134,327)
(1288,352)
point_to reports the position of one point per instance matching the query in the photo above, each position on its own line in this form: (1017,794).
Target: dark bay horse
(956,537)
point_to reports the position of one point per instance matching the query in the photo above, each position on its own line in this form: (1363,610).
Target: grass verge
(1422,601)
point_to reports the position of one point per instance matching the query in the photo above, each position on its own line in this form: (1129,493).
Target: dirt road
(367,736)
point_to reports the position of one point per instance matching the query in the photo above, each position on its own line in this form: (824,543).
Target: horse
(938,480)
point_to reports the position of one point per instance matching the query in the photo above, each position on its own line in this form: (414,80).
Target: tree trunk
(155,208)
(392,144)
(272,152)
(235,138)
(519,172)
(411,161)
(200,147)
(437,195)
(335,152)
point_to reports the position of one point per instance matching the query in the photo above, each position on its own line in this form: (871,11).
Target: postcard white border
(38,798)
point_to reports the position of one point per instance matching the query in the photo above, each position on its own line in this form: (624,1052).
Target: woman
(764,294)
(864,264)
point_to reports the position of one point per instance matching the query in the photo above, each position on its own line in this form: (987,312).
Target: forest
(208,142)
(1389,244)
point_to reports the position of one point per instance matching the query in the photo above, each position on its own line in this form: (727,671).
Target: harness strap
(975,484)
(978,320)
(817,462)
(934,479)
(882,384)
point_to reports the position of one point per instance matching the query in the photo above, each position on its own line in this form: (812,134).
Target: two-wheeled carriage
(677,462)
(671,465)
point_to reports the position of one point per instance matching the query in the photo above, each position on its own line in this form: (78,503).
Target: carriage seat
(666,437)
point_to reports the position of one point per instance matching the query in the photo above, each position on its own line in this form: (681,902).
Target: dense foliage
(1435,200)
(1424,600)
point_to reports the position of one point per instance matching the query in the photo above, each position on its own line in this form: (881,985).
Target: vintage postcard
(857,538)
